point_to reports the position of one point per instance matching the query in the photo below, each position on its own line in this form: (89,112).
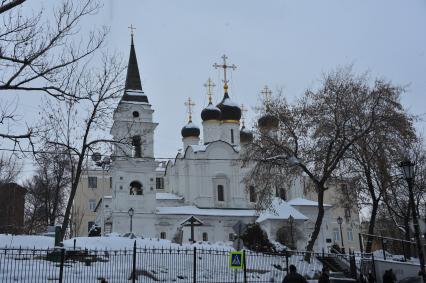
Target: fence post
(286,261)
(194,268)
(61,266)
(403,250)
(244,266)
(360,243)
(374,267)
(134,263)
(383,248)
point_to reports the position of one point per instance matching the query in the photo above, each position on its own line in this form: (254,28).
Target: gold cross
(224,66)
(266,92)
(209,85)
(189,105)
(243,118)
(131,30)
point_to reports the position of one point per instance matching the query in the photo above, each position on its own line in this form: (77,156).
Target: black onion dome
(245,135)
(190,130)
(267,122)
(229,109)
(211,112)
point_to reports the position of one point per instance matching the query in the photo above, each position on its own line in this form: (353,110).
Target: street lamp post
(408,171)
(340,222)
(131,212)
(291,221)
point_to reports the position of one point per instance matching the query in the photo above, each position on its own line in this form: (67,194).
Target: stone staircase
(339,268)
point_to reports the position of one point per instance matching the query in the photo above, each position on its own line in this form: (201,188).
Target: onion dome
(211,112)
(267,122)
(229,109)
(190,130)
(245,135)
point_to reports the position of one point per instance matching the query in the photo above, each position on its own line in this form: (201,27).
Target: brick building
(12,202)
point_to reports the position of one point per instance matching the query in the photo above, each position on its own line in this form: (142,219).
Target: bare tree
(48,190)
(43,52)
(10,168)
(80,129)
(314,134)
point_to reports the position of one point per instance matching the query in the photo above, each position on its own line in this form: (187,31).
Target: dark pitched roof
(133,87)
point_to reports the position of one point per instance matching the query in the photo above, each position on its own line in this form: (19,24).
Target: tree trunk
(318,222)
(72,194)
(371,225)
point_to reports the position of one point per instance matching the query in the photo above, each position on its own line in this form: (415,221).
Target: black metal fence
(140,264)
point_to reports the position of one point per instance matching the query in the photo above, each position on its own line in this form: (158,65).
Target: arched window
(162,235)
(205,237)
(252,194)
(232,136)
(137,146)
(136,188)
(220,193)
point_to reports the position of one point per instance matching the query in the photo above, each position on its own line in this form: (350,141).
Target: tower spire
(133,86)
(224,67)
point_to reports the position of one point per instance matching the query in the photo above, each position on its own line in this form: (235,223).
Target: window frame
(220,193)
(92,180)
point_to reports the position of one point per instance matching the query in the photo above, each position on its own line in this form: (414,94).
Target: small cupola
(245,136)
(267,122)
(190,129)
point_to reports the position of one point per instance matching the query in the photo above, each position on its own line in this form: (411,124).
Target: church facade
(200,194)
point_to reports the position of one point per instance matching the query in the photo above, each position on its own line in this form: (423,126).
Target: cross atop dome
(243,118)
(266,92)
(131,30)
(224,66)
(209,85)
(189,105)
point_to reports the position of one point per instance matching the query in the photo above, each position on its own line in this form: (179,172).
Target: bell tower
(133,128)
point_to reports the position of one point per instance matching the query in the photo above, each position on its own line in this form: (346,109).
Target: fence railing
(147,264)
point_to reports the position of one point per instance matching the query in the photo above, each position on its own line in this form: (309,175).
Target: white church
(203,183)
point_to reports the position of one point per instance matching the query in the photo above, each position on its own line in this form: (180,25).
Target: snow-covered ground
(156,260)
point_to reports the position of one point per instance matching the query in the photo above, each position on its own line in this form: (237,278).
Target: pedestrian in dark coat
(293,276)
(389,276)
(325,276)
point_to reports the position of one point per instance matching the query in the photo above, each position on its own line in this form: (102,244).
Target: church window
(232,136)
(135,114)
(110,182)
(281,193)
(162,235)
(159,183)
(252,194)
(136,188)
(205,237)
(92,182)
(336,235)
(92,204)
(350,234)
(231,237)
(137,146)
(347,213)
(220,193)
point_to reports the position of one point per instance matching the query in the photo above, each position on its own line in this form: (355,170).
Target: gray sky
(284,44)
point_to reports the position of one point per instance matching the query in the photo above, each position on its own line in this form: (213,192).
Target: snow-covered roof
(134,92)
(198,147)
(212,107)
(304,202)
(229,102)
(193,210)
(167,196)
(280,210)
(191,125)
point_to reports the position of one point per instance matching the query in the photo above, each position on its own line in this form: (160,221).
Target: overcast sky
(284,44)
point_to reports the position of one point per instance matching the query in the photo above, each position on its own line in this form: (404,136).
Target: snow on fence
(186,264)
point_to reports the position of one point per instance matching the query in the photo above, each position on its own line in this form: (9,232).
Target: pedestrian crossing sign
(236,260)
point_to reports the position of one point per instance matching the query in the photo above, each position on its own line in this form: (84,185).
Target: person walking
(325,275)
(293,276)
